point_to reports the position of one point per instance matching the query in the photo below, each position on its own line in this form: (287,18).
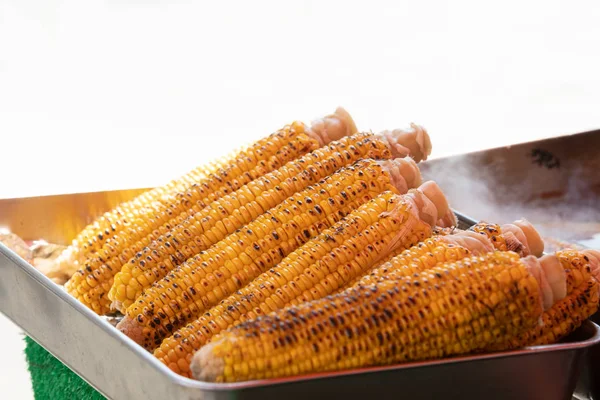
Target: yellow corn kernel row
(221,176)
(200,230)
(421,257)
(426,255)
(436,231)
(211,275)
(452,309)
(313,271)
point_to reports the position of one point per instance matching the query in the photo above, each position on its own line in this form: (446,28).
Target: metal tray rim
(182,381)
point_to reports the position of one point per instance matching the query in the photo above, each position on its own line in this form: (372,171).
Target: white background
(97,95)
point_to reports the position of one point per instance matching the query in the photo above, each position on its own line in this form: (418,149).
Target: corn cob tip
(131,329)
(434,193)
(414,142)
(594,257)
(205,365)
(448,220)
(526,233)
(551,278)
(344,115)
(476,243)
(403,172)
(332,127)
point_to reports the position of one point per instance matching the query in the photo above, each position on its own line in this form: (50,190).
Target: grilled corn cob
(314,270)
(520,237)
(483,239)
(451,309)
(212,275)
(208,182)
(190,232)
(574,275)
(202,229)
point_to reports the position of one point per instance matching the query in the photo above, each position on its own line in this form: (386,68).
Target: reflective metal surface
(58,219)
(120,369)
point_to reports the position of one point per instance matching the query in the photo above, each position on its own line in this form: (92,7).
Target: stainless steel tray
(120,369)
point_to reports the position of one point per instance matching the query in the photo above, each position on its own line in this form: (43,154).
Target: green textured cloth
(51,380)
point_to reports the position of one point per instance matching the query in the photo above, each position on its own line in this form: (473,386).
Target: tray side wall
(99,354)
(58,219)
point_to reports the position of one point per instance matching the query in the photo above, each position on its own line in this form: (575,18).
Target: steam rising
(561,203)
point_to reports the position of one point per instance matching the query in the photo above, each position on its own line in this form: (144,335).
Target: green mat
(51,380)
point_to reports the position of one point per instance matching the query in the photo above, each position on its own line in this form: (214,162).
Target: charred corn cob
(187,234)
(451,248)
(208,182)
(451,309)
(202,229)
(316,269)
(520,237)
(212,275)
(574,276)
